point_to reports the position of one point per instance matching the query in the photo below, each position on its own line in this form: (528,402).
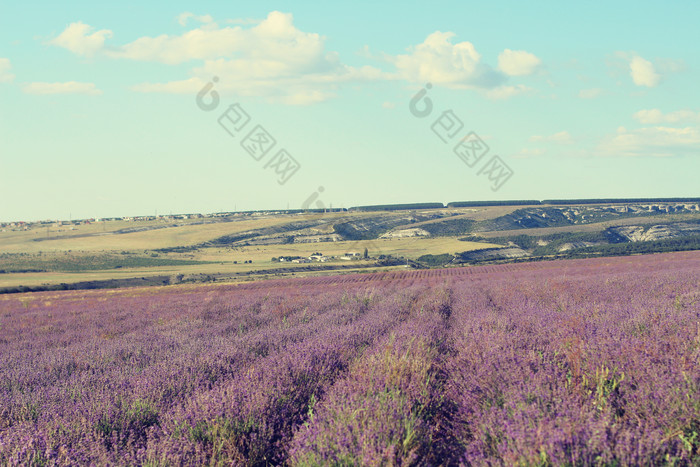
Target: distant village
(569,208)
(70,224)
(320,257)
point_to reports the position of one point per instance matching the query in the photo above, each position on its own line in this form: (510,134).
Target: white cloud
(273,39)
(504,92)
(70,87)
(77,38)
(518,62)
(183,17)
(460,66)
(438,61)
(197,44)
(643,72)
(562,137)
(656,141)
(590,93)
(655,116)
(5,67)
(274,45)
(274,59)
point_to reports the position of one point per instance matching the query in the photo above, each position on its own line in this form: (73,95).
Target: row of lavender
(585,369)
(565,363)
(127,379)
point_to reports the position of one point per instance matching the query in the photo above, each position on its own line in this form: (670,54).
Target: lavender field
(584,362)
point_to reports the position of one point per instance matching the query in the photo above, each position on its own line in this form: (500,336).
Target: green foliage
(612,245)
(553,241)
(449,227)
(286,258)
(10,263)
(691,242)
(227,239)
(348,231)
(436,260)
(132,418)
(474,238)
(177,249)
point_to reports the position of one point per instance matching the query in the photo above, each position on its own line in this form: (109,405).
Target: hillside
(255,245)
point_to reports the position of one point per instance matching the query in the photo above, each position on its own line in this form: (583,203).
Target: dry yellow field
(101,237)
(86,241)
(82,244)
(223,259)
(412,247)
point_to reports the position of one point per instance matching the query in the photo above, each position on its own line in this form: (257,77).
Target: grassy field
(410,247)
(102,237)
(53,254)
(207,261)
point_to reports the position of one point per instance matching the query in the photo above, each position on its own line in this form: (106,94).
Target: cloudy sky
(214,106)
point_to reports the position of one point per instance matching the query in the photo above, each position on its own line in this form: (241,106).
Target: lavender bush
(585,362)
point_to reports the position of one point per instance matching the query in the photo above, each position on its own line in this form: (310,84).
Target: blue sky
(99,114)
